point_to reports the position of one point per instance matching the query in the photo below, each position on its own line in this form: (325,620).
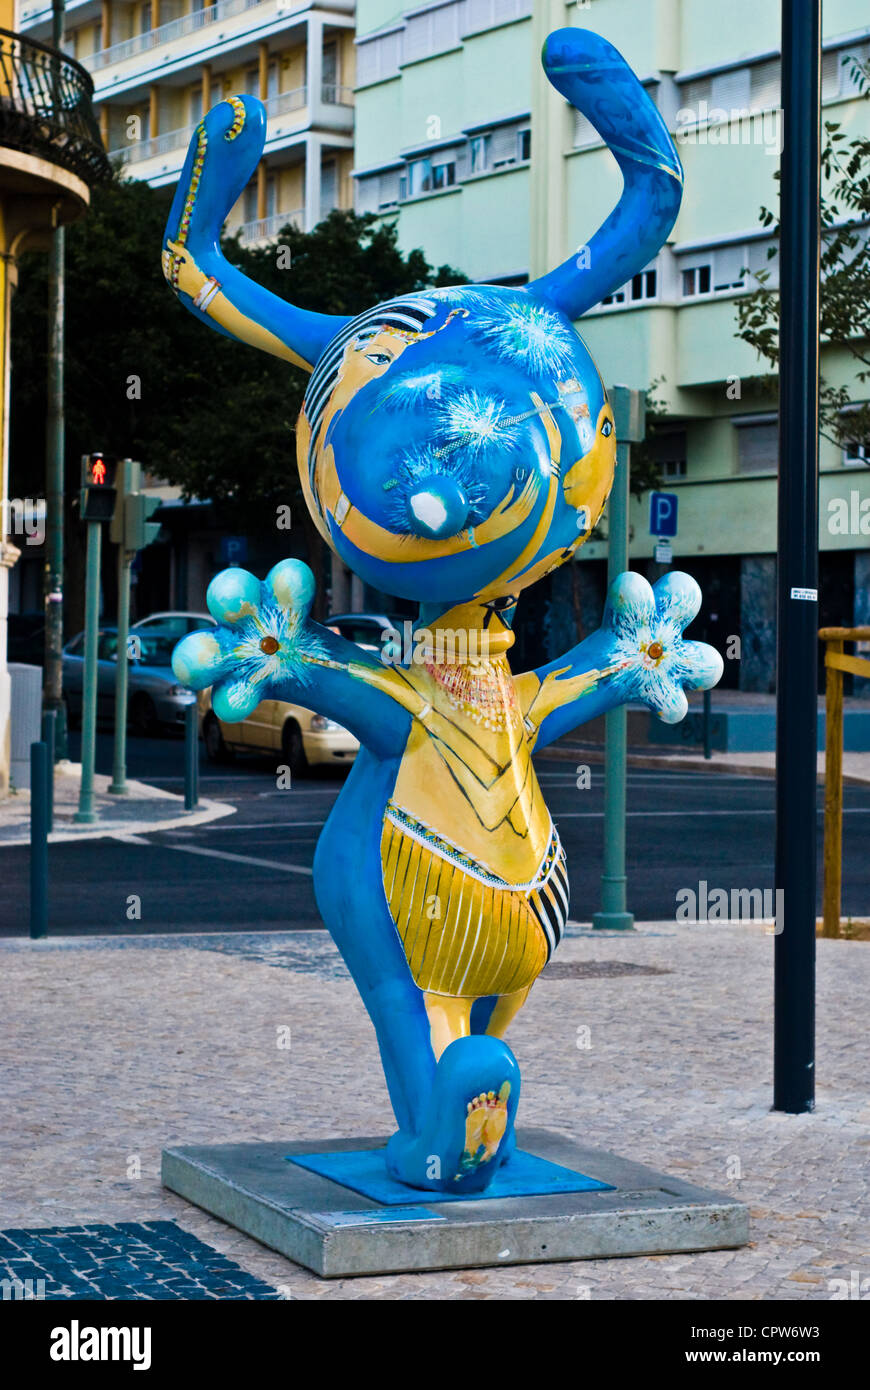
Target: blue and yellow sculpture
(454,446)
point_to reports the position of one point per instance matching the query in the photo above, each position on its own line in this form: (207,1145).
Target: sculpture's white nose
(437,507)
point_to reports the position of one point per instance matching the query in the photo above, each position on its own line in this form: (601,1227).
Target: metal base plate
(336,1232)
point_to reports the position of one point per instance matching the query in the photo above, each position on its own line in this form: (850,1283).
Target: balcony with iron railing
(46,108)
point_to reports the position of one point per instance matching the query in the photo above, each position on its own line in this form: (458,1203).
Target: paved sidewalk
(143,808)
(655,1044)
(856,766)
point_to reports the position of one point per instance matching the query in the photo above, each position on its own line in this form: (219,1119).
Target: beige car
(302,738)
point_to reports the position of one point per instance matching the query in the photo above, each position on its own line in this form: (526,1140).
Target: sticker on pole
(811,595)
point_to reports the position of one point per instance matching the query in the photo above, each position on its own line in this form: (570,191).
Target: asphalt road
(252,871)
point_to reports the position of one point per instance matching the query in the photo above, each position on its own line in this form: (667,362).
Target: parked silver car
(154,695)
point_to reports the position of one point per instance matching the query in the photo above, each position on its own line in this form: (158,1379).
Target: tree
(845,277)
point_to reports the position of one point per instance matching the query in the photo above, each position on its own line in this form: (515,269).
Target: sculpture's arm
(638,654)
(224,151)
(265,647)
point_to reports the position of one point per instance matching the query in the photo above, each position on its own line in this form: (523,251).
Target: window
(728,266)
(669,452)
(378,58)
(330,71)
(764,84)
(194,104)
(252,82)
(524,144)
(479,146)
(696,280)
(377,192)
(145,19)
(855,452)
(757,446)
(431,32)
(444,174)
(642,286)
(425,175)
(419,178)
(584,131)
(249,203)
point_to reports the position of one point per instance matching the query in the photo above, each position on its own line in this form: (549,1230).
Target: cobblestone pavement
(117,1047)
(131,1260)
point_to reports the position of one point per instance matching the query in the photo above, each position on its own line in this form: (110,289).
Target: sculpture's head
(456,444)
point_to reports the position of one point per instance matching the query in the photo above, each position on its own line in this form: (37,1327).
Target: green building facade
(462,142)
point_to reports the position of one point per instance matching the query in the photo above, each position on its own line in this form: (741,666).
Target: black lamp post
(798,561)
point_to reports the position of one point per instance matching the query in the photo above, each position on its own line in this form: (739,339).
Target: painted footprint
(485,1124)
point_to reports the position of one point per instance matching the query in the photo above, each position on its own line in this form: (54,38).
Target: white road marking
(218,854)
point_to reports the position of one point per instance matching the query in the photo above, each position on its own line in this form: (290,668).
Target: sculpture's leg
(455,1114)
(507,1006)
(467,1132)
(449,1019)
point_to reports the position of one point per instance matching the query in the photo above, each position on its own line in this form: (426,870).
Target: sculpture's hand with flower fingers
(266,647)
(638,653)
(646,626)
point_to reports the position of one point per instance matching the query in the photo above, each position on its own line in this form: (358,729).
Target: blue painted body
(454,446)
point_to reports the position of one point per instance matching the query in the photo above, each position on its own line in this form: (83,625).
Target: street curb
(205,812)
(670,761)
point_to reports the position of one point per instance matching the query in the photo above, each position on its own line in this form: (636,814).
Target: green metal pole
(118,784)
(86,814)
(629,417)
(40,771)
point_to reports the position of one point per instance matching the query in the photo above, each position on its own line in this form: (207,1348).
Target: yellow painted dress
(472,866)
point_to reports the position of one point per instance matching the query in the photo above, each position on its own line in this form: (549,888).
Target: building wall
(524,218)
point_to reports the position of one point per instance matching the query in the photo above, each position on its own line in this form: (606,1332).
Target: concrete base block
(335,1232)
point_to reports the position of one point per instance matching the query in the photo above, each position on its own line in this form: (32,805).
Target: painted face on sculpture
(456,444)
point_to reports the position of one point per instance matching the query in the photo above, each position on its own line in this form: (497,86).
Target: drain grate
(597,970)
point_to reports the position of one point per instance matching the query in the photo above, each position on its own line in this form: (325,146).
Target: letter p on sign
(663,513)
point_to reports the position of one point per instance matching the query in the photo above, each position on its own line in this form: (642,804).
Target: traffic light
(138,530)
(131,528)
(98,491)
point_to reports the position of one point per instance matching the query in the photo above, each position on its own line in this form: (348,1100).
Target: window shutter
(764,85)
(757,447)
(731,89)
(503,145)
(830,75)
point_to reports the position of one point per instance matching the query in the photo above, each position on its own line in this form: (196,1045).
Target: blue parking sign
(663,513)
(234,550)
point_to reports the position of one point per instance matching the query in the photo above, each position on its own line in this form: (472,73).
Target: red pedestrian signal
(98,487)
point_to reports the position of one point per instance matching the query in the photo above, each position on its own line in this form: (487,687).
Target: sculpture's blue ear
(224,152)
(597,80)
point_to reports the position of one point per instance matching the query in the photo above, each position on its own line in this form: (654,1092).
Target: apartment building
(158,65)
(461,141)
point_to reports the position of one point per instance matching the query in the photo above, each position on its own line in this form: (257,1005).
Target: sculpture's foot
(468,1132)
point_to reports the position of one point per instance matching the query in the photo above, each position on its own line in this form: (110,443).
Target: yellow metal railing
(837,663)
